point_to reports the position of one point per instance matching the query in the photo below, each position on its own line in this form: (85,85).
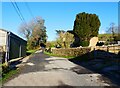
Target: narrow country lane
(42,70)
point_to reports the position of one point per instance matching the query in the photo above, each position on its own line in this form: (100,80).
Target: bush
(84,43)
(3,56)
(5,68)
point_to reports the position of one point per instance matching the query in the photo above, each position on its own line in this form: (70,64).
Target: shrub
(5,68)
(3,56)
(84,43)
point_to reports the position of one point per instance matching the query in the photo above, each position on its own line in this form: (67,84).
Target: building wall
(14,48)
(3,37)
(17,46)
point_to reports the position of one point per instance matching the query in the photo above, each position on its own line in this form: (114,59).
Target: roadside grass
(7,72)
(0,74)
(50,54)
(30,52)
(79,58)
(8,75)
(0,64)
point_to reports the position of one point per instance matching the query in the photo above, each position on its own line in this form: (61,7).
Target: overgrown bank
(8,73)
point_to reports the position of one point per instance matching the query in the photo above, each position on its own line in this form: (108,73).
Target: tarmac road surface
(42,70)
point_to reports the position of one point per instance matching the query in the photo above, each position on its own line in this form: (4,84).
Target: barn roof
(4,30)
(13,35)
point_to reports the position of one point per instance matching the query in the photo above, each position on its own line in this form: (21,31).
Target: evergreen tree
(86,26)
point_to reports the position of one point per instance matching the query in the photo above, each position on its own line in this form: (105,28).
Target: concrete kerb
(22,59)
(17,59)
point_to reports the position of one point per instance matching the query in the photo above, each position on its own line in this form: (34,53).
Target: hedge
(84,43)
(71,51)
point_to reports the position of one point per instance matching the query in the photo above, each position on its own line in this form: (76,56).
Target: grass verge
(79,58)
(50,54)
(30,52)
(9,75)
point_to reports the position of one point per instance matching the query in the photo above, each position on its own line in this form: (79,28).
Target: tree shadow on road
(107,64)
(35,63)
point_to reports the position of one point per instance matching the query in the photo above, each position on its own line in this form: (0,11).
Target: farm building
(12,45)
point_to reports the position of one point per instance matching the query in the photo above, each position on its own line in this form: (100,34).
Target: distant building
(13,46)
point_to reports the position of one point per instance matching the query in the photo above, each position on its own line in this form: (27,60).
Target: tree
(35,32)
(68,39)
(114,30)
(39,31)
(25,30)
(59,31)
(86,26)
(65,39)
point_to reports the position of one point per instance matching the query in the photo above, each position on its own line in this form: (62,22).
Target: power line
(26,4)
(18,10)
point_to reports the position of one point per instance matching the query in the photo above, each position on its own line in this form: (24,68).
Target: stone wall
(110,48)
(71,51)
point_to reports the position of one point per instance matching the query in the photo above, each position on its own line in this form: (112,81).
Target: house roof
(4,30)
(12,34)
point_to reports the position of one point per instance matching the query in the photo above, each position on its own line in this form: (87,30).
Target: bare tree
(34,31)
(25,30)
(114,30)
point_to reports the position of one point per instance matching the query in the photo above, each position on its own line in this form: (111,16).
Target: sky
(58,15)
(63,0)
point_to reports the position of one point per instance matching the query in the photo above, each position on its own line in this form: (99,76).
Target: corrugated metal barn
(13,45)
